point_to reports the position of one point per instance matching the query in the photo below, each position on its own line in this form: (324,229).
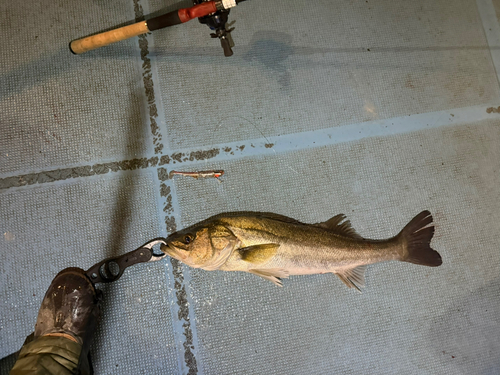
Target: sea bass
(274,246)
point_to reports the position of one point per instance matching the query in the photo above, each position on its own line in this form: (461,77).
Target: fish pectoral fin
(272,274)
(258,254)
(353,277)
(337,225)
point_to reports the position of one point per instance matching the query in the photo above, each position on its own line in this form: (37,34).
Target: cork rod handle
(103,39)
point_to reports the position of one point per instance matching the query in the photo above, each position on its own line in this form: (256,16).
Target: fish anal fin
(258,254)
(353,277)
(272,274)
(337,225)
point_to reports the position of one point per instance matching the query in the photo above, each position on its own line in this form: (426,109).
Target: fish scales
(305,249)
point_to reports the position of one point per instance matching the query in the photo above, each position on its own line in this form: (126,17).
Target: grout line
(147,79)
(183,322)
(182,281)
(492,31)
(330,136)
(381,128)
(260,147)
(156,109)
(341,134)
(184,319)
(62,174)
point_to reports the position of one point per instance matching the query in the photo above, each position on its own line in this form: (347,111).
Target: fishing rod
(209,12)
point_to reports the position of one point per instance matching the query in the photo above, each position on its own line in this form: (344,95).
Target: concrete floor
(376,109)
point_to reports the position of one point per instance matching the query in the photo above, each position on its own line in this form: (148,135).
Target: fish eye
(188,238)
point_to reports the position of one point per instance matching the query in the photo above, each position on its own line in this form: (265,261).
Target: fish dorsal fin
(272,274)
(258,254)
(337,225)
(353,277)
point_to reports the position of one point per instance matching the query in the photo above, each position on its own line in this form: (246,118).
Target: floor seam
(261,146)
(491,27)
(180,312)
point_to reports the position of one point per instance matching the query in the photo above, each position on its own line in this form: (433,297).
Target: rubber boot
(70,309)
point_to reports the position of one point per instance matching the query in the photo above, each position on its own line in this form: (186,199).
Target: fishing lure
(199,174)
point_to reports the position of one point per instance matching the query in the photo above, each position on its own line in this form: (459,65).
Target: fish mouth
(170,250)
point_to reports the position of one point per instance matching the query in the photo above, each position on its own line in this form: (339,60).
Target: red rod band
(200,10)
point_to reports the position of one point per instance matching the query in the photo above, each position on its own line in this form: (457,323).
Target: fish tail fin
(415,238)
